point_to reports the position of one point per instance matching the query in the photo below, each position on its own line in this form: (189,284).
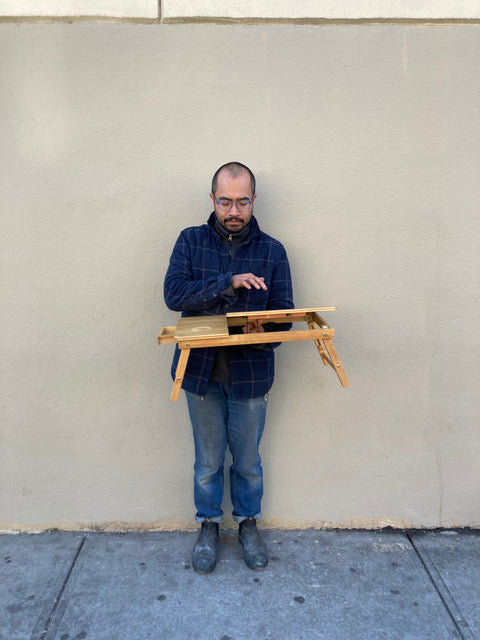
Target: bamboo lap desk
(213,331)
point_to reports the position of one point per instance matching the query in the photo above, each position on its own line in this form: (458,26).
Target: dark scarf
(231,240)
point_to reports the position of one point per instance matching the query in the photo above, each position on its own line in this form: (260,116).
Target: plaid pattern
(196,283)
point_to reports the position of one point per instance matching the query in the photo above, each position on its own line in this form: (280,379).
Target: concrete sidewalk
(332,585)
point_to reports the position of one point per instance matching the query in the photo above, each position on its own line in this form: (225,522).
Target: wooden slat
(272,313)
(241,321)
(320,321)
(257,338)
(337,365)
(319,343)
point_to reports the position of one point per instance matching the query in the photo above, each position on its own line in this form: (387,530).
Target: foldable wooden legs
(179,373)
(326,349)
(335,363)
(318,343)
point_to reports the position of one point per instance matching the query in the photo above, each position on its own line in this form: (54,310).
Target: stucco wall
(366,146)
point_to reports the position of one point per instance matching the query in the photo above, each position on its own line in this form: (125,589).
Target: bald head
(235,170)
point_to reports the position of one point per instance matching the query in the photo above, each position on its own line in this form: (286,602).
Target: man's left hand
(254,326)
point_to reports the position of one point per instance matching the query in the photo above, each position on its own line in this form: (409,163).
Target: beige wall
(366,146)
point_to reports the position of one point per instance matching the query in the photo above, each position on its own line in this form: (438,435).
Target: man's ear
(212,197)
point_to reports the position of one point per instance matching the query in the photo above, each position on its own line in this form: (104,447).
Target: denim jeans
(217,420)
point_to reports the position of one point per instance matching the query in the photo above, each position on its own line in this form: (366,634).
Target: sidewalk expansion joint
(448,601)
(58,599)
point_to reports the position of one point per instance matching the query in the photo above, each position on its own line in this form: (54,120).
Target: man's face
(233,189)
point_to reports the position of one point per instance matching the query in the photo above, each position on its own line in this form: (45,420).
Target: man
(223,266)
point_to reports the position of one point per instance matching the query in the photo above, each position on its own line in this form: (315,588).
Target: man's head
(233,194)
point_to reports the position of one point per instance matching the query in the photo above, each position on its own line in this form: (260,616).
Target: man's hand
(248,280)
(254,326)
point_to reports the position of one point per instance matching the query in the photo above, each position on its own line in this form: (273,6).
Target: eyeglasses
(225,205)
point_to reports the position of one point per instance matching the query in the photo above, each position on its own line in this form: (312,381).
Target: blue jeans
(217,420)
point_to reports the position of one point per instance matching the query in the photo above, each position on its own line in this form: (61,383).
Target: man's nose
(234,204)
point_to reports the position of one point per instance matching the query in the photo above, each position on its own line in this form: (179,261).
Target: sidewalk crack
(448,601)
(58,599)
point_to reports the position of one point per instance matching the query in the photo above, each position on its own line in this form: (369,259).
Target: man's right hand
(248,280)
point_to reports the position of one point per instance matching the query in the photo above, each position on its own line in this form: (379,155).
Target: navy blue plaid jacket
(198,277)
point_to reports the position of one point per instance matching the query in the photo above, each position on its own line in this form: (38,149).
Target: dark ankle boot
(255,552)
(204,556)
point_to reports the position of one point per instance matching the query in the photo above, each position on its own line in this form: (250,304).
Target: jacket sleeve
(183,293)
